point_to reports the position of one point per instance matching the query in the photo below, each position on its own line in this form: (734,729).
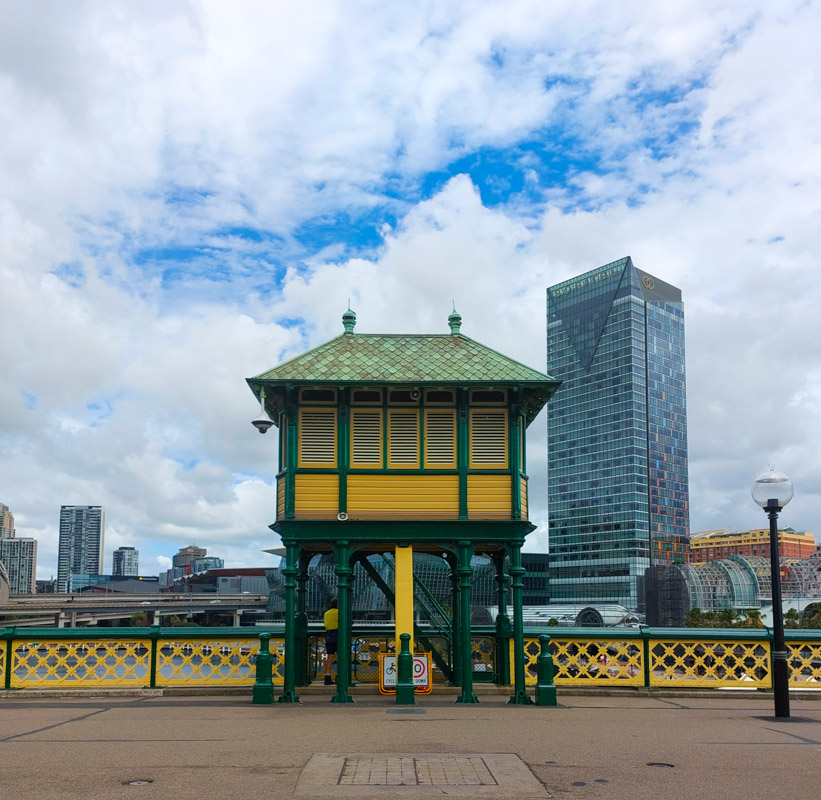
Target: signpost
(421,673)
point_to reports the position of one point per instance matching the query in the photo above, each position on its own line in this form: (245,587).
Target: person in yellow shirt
(331,620)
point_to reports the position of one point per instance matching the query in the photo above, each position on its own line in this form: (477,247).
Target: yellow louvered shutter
(488,439)
(317,437)
(403,439)
(366,438)
(440,439)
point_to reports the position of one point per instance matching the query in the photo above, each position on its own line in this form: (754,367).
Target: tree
(792,619)
(694,618)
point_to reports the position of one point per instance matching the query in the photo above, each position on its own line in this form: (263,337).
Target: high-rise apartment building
(82,529)
(18,555)
(6,522)
(617,433)
(126,561)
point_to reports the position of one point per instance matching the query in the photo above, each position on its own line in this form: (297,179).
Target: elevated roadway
(78,610)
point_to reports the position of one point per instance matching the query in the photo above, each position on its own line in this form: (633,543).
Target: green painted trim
(462,450)
(438,532)
(422,432)
(513,460)
(343,432)
(292,417)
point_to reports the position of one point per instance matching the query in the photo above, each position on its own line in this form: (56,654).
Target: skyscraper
(82,529)
(126,561)
(617,432)
(18,555)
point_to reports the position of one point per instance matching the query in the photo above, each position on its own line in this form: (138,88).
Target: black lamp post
(772,491)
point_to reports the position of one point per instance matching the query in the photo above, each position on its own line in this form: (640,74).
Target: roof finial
(455,321)
(349,319)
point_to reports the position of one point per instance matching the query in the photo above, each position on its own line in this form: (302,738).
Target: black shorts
(330,642)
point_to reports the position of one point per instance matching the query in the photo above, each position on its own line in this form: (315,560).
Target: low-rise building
(712,545)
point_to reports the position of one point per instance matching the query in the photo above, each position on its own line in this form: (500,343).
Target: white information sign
(421,672)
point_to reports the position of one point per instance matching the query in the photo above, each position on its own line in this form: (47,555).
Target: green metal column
(517,571)
(465,572)
(455,639)
(503,626)
(342,552)
(301,621)
(290,571)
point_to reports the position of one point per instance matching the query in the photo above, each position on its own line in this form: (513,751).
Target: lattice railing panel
(805,664)
(213,662)
(710,663)
(582,662)
(86,662)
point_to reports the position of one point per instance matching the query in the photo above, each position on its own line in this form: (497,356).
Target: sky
(191,192)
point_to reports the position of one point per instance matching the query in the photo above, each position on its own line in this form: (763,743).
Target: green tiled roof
(393,358)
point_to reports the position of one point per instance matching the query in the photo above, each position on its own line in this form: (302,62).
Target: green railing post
(154,636)
(464,572)
(545,688)
(404,673)
(645,656)
(263,686)
(8,635)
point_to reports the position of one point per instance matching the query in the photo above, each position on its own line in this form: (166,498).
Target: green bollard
(545,688)
(264,686)
(404,673)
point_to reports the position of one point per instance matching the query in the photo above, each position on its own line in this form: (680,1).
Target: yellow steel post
(403,589)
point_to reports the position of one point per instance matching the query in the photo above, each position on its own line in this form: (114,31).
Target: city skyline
(183,215)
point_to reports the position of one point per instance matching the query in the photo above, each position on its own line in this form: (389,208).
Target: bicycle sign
(421,673)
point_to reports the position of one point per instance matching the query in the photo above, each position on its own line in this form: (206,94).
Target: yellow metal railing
(213,661)
(709,663)
(80,662)
(650,657)
(805,664)
(582,662)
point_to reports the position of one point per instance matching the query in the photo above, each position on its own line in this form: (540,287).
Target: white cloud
(694,133)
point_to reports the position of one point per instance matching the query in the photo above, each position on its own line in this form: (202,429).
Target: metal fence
(203,657)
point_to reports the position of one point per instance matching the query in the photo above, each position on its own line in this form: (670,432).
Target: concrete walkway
(726,746)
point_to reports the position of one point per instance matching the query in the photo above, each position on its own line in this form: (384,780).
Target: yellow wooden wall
(489,497)
(316,496)
(403,496)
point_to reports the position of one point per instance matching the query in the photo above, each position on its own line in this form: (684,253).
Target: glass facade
(617,433)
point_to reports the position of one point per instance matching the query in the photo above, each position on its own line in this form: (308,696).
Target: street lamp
(772,491)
